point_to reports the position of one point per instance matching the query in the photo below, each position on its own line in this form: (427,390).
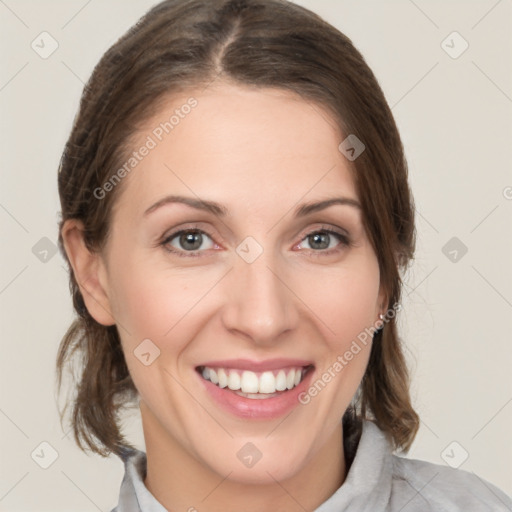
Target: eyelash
(344,242)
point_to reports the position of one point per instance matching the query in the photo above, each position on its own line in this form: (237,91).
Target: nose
(260,305)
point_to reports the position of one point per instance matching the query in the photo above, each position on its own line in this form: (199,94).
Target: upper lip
(258,366)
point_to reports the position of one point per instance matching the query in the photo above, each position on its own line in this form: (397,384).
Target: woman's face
(259,292)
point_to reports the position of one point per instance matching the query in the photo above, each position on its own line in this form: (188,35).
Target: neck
(180,482)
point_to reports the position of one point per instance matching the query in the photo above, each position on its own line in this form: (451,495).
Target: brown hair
(182,44)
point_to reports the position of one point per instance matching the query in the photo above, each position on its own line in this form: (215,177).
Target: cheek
(344,300)
(158,303)
(346,307)
(153,305)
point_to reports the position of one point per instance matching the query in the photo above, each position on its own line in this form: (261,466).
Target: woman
(264,356)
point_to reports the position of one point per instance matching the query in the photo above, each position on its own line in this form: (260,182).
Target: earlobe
(382,302)
(89,272)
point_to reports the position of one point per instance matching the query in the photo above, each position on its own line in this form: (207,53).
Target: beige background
(455,117)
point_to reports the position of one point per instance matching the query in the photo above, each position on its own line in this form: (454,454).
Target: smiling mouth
(255,385)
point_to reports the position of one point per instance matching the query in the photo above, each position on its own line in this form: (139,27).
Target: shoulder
(418,484)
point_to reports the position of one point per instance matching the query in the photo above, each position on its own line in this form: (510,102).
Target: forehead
(239,146)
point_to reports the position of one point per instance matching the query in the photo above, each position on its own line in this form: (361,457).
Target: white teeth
(213,376)
(267,383)
(281,380)
(223,378)
(290,379)
(234,381)
(256,396)
(250,383)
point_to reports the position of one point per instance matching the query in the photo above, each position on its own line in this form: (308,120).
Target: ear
(382,301)
(90,272)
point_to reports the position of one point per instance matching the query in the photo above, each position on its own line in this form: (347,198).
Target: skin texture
(261,153)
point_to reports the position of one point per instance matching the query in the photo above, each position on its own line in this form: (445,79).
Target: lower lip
(250,408)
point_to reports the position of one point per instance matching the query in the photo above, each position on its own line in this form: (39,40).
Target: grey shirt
(377,481)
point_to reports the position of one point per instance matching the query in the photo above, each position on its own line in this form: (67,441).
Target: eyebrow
(222,211)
